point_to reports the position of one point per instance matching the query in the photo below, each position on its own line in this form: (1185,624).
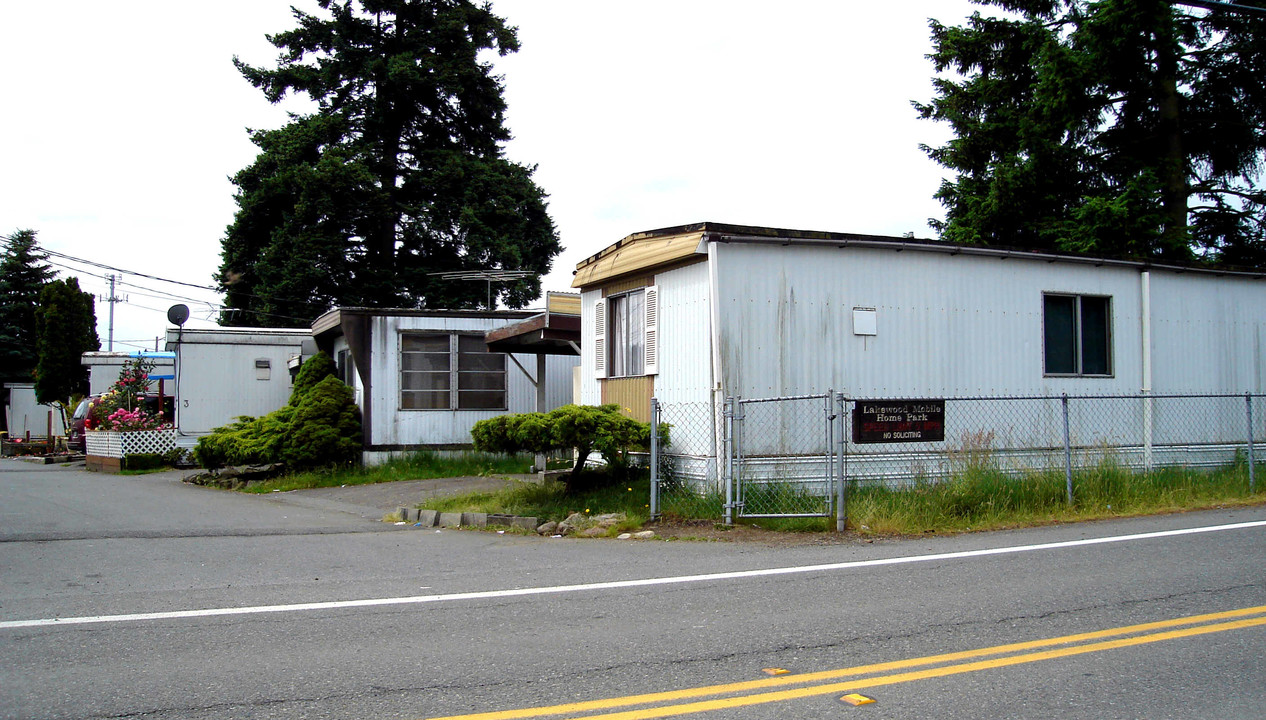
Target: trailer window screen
(446,371)
(1077,335)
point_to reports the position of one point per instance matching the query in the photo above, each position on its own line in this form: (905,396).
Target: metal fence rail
(797,456)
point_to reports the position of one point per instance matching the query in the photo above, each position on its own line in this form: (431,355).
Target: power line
(1232,7)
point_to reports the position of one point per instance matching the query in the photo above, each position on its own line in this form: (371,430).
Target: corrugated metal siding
(1207,333)
(685,331)
(632,394)
(218,383)
(947,325)
(389,425)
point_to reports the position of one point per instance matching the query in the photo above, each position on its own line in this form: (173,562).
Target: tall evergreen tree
(1132,128)
(24,271)
(398,173)
(65,328)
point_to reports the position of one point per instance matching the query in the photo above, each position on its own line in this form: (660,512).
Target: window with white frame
(1077,332)
(447,371)
(626,334)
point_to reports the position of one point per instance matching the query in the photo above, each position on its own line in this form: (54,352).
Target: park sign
(894,421)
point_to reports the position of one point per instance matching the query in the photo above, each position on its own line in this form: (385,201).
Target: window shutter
(652,330)
(600,338)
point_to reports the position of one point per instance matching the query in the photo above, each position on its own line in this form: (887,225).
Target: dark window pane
(424,343)
(481,381)
(481,400)
(1095,358)
(424,381)
(425,361)
(415,400)
(471,344)
(482,361)
(1059,323)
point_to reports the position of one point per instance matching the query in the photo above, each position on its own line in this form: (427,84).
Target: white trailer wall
(946,325)
(389,425)
(221,374)
(23,414)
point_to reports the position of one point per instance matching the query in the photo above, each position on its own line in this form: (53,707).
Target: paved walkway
(373,501)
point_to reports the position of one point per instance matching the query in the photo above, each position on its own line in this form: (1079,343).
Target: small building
(422,378)
(223,373)
(700,313)
(24,415)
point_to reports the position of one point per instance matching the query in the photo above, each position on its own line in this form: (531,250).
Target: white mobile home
(223,373)
(422,378)
(698,313)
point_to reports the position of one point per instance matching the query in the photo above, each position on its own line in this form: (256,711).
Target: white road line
(618,584)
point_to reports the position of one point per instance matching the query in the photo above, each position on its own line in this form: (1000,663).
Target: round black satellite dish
(178,314)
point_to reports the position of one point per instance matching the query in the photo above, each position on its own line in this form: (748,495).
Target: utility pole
(112,299)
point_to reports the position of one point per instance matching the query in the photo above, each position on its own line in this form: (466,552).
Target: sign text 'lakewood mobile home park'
(889,421)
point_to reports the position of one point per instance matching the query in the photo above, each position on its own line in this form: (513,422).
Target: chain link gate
(782,457)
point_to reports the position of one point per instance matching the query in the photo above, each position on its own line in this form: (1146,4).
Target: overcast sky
(122,123)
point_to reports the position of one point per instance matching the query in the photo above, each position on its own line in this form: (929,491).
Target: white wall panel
(946,325)
(216,383)
(685,329)
(1207,333)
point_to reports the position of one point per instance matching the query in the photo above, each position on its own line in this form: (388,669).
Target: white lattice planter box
(105,448)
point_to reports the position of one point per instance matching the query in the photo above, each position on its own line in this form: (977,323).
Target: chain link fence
(798,456)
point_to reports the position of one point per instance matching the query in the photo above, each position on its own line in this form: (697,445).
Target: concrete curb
(432,518)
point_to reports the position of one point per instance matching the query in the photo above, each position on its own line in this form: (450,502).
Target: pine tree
(1130,128)
(65,328)
(24,271)
(399,172)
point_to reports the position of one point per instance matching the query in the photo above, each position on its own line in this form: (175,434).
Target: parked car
(75,436)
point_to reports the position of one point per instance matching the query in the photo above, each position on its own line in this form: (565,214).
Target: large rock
(588,525)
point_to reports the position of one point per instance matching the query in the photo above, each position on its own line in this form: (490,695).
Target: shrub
(325,429)
(583,428)
(143,461)
(320,427)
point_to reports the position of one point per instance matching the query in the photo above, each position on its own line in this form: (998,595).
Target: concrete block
(475,519)
(412,515)
(448,519)
(527,523)
(428,518)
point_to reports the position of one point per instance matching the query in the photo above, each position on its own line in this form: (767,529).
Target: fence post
(841,507)
(727,442)
(654,459)
(740,417)
(1068,452)
(1147,429)
(1252,479)
(830,449)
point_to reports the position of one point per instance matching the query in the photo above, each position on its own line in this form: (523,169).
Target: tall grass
(983,497)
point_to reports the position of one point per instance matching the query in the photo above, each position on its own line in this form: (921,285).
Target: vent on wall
(263,368)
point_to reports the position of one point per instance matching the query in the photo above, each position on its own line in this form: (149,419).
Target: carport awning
(546,334)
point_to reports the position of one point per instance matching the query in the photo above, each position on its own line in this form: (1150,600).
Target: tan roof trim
(562,303)
(637,254)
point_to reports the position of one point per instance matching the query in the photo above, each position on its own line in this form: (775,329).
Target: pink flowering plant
(123,408)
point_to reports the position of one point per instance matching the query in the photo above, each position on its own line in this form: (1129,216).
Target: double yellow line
(846,680)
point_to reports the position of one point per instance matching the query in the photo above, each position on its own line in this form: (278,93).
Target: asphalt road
(143,597)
